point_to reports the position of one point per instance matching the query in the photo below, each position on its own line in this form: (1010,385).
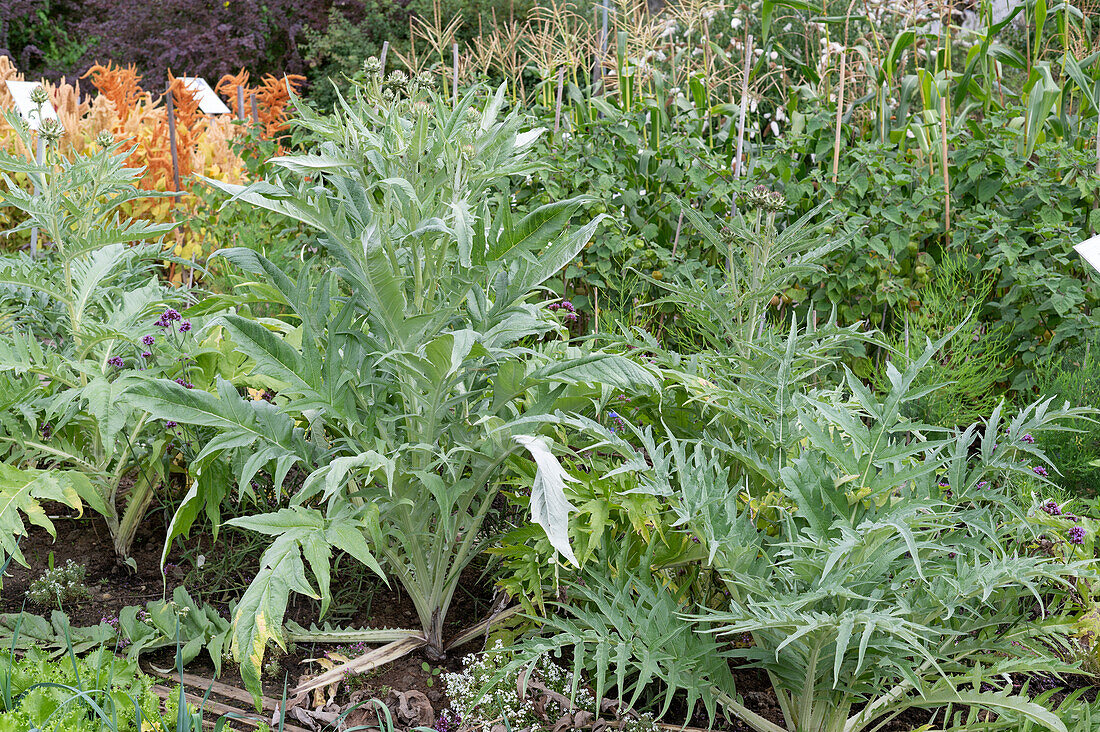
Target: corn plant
(411,375)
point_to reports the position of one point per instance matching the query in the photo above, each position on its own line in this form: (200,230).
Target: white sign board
(1089,249)
(209,102)
(28,110)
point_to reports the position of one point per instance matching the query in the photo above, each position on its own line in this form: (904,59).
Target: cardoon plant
(76,313)
(413,373)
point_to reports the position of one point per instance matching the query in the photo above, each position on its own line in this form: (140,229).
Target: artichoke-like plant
(414,377)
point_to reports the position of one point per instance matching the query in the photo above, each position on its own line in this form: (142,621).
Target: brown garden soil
(114,586)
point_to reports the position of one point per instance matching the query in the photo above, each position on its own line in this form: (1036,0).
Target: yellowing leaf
(21,492)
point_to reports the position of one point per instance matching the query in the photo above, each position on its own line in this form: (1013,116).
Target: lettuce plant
(414,374)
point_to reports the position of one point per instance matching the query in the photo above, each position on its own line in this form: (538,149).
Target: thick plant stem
(141,495)
(751,718)
(434,635)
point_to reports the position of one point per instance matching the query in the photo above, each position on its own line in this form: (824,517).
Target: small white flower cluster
(59,585)
(475,702)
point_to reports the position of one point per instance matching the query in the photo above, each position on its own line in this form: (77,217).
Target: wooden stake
(382,60)
(240,104)
(676,239)
(597,70)
(744,107)
(1096,202)
(40,158)
(839,112)
(255,110)
(557,109)
(454,89)
(172,138)
(943,154)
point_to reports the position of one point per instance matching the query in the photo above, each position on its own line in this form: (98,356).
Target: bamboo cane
(943,155)
(839,112)
(172,139)
(454,82)
(557,108)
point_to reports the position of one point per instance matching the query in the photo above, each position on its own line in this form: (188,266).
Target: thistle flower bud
(372,66)
(104,139)
(39,96)
(51,131)
(757,197)
(775,202)
(397,81)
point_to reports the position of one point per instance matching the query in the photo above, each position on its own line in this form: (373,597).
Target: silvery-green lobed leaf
(549,506)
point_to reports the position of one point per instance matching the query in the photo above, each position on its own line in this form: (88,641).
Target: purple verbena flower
(1076,535)
(185,383)
(169,315)
(170,424)
(983,484)
(116,361)
(146,354)
(148,340)
(1040,471)
(1028,439)
(185,326)
(1052,507)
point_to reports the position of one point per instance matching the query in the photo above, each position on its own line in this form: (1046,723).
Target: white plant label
(28,110)
(1089,249)
(209,102)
